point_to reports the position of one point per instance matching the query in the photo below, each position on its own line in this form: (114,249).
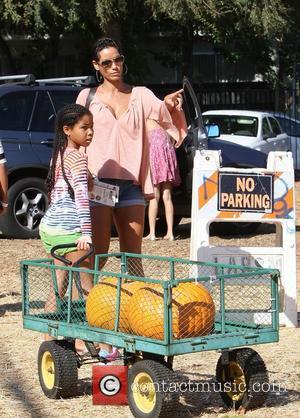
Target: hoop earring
(98,76)
(126,69)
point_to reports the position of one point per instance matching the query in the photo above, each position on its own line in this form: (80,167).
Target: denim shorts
(129,194)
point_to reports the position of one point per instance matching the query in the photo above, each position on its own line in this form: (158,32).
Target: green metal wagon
(245,313)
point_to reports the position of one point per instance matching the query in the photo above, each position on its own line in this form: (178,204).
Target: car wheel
(27,199)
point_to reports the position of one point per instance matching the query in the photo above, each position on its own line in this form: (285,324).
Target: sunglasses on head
(109,63)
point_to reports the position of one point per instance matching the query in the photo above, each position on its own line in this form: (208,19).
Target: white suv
(253,129)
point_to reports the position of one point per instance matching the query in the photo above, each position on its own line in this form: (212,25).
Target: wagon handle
(66,261)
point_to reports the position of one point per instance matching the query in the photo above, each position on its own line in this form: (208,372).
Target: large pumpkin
(101,303)
(193,311)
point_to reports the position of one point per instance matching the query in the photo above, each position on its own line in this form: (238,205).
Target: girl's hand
(174,100)
(83,242)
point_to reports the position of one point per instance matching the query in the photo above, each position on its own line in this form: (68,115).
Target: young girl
(165,175)
(67,219)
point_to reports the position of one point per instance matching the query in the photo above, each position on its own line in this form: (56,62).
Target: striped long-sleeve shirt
(66,215)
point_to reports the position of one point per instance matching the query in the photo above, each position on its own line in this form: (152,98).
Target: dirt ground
(20,392)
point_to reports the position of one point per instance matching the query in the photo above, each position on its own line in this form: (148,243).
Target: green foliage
(109,10)
(255,29)
(266,32)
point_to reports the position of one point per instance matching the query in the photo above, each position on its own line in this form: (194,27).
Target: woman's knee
(130,225)
(167,196)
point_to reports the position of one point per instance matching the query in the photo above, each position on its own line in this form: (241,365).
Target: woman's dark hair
(101,44)
(69,115)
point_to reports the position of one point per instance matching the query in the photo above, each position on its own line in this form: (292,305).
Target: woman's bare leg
(129,222)
(101,217)
(169,208)
(152,212)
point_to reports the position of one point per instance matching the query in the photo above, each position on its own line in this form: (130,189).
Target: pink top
(120,149)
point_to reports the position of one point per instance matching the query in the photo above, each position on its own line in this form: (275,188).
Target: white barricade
(248,195)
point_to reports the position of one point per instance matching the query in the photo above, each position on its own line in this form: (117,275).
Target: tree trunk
(7,65)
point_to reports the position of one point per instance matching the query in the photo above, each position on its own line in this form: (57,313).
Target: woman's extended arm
(174,102)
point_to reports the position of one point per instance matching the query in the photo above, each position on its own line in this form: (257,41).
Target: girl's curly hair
(69,115)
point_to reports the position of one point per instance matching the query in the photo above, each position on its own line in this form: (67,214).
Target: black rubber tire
(26,224)
(255,375)
(166,404)
(158,358)
(65,369)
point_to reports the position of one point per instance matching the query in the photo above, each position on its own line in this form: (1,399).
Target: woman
(119,153)
(165,175)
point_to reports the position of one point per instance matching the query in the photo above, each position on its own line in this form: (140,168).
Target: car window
(266,127)
(295,129)
(234,124)
(290,127)
(44,114)
(15,110)
(275,126)
(286,125)
(62,97)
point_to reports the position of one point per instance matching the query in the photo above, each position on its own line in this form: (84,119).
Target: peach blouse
(119,149)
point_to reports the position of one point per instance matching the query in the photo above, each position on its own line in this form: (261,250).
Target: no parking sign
(264,195)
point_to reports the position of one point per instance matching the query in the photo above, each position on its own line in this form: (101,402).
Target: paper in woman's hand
(104,193)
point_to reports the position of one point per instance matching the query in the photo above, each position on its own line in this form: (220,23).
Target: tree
(37,20)
(237,27)
(265,32)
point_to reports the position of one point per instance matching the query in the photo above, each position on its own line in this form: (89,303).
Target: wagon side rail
(245,302)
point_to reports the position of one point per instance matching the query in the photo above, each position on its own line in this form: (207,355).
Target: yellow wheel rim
(234,374)
(48,370)
(143,391)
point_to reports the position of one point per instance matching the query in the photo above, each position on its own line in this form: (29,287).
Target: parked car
(232,155)
(291,127)
(27,113)
(253,129)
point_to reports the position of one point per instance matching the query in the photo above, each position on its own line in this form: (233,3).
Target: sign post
(248,195)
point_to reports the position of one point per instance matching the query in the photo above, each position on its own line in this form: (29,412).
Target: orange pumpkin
(101,303)
(193,311)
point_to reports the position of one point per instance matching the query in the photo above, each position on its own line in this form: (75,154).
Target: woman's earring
(98,76)
(126,69)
